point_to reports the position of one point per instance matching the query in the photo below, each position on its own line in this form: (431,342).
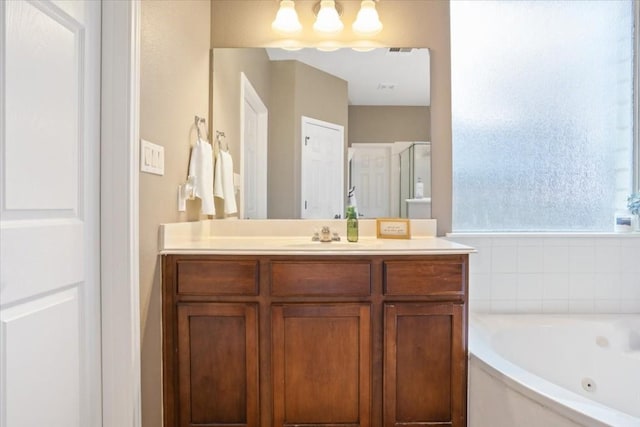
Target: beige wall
(387,124)
(227,66)
(174,67)
(416,23)
(281,132)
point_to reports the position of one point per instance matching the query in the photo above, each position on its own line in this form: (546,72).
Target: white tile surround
(553,273)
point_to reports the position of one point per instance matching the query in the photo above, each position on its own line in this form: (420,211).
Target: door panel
(371,177)
(321,365)
(254,119)
(49,213)
(218,364)
(51,323)
(322,171)
(424,365)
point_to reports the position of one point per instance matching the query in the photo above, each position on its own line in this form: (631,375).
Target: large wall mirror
(305,127)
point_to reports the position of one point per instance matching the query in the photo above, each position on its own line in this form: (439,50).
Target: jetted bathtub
(554,371)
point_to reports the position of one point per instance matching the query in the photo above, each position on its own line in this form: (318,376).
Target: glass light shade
(286,19)
(367,22)
(328,21)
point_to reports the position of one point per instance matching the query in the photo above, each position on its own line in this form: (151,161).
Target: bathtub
(554,371)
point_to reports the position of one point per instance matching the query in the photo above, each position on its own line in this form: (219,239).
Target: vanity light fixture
(328,22)
(367,22)
(287,19)
(328,18)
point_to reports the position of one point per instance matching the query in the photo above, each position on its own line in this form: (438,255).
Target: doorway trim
(250,95)
(119,201)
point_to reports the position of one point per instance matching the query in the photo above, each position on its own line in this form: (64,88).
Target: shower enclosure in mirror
(274,105)
(415,181)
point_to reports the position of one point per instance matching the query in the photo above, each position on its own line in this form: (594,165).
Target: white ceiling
(377,77)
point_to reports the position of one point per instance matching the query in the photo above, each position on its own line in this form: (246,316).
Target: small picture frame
(393,228)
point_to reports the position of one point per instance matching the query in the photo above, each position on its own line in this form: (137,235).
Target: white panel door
(49,214)
(253,140)
(371,176)
(322,170)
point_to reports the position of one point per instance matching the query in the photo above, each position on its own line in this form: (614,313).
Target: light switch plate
(151,158)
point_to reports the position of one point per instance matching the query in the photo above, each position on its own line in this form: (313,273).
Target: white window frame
(636,102)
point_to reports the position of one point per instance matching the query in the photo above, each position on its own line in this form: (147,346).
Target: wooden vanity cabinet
(366,340)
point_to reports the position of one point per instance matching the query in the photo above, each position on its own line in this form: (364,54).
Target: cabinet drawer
(320,278)
(218,277)
(424,278)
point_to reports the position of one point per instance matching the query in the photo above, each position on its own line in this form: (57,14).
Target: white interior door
(49,268)
(253,143)
(322,169)
(371,176)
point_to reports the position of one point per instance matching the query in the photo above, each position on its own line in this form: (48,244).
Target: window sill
(634,234)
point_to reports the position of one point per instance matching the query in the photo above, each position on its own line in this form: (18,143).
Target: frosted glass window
(542,98)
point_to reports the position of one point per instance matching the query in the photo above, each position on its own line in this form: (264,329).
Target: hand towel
(227,183)
(217,178)
(201,171)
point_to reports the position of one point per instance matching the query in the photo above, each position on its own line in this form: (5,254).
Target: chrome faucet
(325,235)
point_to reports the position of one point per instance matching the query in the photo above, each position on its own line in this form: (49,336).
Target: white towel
(217,178)
(226,172)
(201,171)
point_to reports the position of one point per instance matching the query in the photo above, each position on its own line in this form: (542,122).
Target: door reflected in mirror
(380,99)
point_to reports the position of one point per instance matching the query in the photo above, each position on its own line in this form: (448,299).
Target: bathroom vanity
(279,333)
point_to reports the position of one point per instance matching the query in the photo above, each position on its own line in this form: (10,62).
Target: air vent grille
(400,50)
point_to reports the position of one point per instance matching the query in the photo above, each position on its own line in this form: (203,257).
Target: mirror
(305,126)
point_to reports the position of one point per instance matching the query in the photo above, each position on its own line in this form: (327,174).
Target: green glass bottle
(352,224)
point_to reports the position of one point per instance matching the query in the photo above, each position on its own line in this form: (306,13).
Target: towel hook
(198,121)
(219,136)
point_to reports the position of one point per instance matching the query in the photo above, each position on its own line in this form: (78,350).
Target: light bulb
(367,22)
(328,21)
(286,19)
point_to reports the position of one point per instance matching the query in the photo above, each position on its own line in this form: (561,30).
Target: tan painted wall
(282,131)
(174,68)
(386,124)
(417,23)
(227,66)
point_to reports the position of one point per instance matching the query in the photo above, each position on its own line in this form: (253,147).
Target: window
(542,96)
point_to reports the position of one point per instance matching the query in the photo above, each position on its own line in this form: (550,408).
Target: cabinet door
(424,365)
(321,365)
(217,364)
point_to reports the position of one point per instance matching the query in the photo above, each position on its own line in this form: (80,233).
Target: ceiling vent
(400,51)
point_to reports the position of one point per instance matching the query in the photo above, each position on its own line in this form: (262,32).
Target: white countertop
(293,237)
(304,246)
